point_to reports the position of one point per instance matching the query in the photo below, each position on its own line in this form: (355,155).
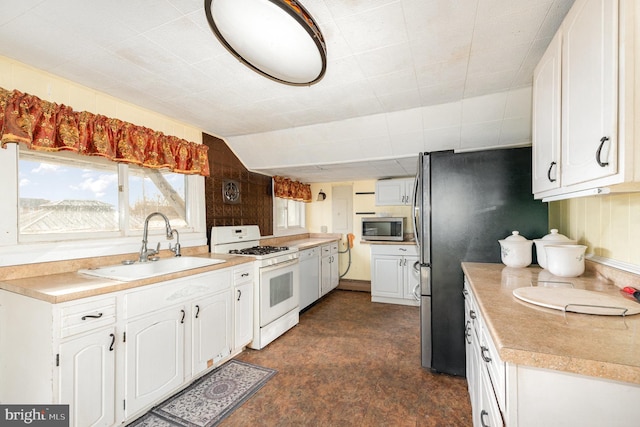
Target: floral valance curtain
(288,189)
(45,126)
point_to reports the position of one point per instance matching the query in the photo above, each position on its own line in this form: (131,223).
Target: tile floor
(351,362)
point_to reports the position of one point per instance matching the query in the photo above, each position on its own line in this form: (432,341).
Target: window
(66,196)
(290,214)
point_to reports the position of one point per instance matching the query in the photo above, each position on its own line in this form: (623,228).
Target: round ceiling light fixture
(276,38)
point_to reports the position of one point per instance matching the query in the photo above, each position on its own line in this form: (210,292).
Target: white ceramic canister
(515,250)
(565,260)
(553,238)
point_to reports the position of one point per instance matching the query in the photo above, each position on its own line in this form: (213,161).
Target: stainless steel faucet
(146,253)
(176,249)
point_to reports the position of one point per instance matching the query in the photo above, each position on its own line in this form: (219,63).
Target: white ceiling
(403,76)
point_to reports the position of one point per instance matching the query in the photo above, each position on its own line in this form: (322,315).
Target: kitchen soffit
(393,66)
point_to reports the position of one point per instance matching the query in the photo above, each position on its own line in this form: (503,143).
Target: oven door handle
(278,265)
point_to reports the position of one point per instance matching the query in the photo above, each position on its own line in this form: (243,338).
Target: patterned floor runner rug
(209,399)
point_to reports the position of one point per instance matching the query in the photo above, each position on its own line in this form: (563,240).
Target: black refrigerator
(463,204)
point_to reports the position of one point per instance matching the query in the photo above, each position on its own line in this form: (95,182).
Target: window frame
(301,214)
(16,250)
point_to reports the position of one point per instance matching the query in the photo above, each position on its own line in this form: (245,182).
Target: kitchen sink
(144,270)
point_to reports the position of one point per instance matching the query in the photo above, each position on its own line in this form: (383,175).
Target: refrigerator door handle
(416,266)
(415,207)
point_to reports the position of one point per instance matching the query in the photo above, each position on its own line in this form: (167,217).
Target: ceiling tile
(484,108)
(390,63)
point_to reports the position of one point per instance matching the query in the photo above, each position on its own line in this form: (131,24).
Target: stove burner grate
(259,250)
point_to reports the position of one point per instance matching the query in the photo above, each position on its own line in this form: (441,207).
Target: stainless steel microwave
(383,228)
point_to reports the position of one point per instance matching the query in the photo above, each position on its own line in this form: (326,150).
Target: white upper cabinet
(394,192)
(589,91)
(546,118)
(583,103)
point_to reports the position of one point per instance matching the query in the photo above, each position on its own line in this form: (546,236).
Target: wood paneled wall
(256,203)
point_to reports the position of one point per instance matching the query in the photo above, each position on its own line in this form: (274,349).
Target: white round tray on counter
(578,301)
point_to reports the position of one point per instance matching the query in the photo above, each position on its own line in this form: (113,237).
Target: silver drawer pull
(92,316)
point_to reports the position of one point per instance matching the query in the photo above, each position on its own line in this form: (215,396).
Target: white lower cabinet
(395,275)
(243,286)
(211,331)
(329,271)
(114,356)
(154,357)
(512,395)
(87,377)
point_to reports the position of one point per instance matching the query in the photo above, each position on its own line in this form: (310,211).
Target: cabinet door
(389,192)
(488,411)
(243,314)
(408,191)
(211,331)
(87,378)
(546,118)
(394,192)
(411,278)
(386,276)
(335,271)
(325,274)
(589,91)
(154,357)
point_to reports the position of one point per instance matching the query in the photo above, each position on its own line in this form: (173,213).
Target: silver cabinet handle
(467,332)
(92,316)
(549,172)
(599,152)
(484,349)
(483,413)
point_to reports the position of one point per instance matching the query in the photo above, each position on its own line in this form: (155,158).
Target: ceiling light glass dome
(276,38)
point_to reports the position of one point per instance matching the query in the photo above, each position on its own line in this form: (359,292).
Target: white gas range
(276,295)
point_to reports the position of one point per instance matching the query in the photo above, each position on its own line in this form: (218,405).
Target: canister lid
(554,236)
(516,237)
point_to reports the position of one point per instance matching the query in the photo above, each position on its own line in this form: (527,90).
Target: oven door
(279,290)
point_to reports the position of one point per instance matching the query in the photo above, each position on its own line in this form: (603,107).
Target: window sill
(30,253)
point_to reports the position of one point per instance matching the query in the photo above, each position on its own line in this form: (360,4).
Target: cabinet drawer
(329,249)
(243,275)
(400,250)
(85,316)
(154,297)
(489,412)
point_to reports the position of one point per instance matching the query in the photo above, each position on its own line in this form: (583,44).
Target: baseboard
(354,285)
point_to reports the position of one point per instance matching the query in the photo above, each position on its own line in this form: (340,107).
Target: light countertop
(526,334)
(57,282)
(70,285)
